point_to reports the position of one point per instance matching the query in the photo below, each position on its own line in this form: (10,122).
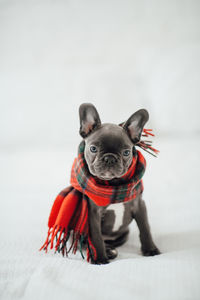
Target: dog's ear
(89,119)
(134,125)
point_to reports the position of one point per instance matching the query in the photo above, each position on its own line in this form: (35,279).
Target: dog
(108,153)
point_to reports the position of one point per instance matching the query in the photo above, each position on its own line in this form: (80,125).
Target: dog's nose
(110,159)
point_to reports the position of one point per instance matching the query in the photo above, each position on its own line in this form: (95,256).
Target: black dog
(108,153)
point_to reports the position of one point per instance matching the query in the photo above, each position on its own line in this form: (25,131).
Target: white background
(121,56)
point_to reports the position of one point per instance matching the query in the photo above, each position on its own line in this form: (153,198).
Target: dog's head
(109,147)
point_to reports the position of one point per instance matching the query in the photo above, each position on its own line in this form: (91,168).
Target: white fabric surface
(122,56)
(29,183)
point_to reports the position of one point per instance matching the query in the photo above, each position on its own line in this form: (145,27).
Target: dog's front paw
(151,252)
(100,261)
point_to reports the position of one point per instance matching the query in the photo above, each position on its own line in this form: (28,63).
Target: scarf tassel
(78,234)
(146,145)
(91,251)
(61,243)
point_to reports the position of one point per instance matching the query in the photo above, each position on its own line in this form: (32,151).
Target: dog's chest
(116,216)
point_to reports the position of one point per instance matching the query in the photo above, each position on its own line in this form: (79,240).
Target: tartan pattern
(69,213)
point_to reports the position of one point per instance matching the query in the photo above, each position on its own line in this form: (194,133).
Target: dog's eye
(93,149)
(126,152)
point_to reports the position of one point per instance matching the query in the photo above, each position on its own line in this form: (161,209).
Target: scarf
(69,213)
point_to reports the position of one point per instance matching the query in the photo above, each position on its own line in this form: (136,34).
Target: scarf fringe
(146,145)
(58,233)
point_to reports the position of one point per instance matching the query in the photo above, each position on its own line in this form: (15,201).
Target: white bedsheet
(122,56)
(29,182)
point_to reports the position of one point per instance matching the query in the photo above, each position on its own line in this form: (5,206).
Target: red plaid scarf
(69,213)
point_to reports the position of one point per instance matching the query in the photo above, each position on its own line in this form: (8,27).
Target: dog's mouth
(107,172)
(106,177)
(109,175)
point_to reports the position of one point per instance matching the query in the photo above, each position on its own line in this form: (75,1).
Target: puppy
(108,153)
